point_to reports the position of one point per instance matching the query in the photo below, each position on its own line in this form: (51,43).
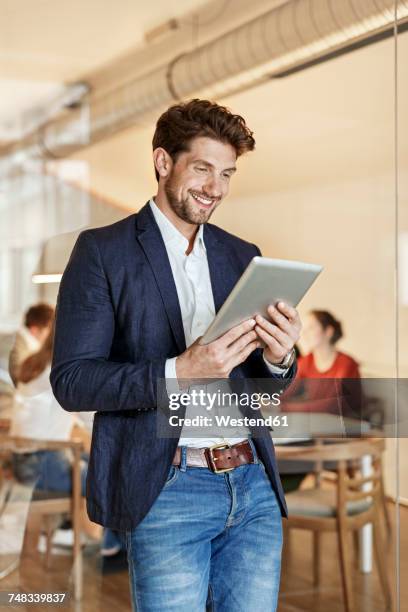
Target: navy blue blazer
(117,321)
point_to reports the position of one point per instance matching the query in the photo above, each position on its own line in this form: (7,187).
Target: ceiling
(327,125)
(59,41)
(348,101)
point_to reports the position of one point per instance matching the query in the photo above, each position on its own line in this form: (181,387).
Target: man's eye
(201,169)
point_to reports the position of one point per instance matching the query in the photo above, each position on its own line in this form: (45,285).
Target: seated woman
(37,414)
(321,333)
(327,381)
(338,388)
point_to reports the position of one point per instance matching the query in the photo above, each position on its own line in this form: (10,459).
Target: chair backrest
(350,488)
(333,449)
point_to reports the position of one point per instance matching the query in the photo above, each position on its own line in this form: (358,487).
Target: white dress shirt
(37,414)
(193,284)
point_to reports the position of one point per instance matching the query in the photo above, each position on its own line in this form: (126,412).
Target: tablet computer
(265,281)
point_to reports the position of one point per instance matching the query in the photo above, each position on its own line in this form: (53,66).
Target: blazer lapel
(151,241)
(224,271)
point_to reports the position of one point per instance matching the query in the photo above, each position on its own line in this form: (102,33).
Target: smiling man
(202,515)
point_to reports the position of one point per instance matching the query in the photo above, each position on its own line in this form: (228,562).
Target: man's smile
(204,201)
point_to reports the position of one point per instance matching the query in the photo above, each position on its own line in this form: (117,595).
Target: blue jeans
(209,539)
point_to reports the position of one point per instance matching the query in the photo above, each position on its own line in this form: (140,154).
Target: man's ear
(162,162)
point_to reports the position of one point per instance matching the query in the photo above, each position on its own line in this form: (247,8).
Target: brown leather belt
(218,458)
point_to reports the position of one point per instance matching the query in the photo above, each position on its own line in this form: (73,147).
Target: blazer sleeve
(82,376)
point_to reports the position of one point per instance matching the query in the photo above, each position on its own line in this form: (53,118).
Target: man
(37,324)
(133,302)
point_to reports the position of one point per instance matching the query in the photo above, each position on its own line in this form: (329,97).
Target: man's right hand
(217,359)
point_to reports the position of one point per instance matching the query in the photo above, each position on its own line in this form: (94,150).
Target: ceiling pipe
(282,40)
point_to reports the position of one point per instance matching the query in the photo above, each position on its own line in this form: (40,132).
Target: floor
(110,591)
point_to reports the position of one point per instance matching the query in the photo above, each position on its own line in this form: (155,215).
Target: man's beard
(185,208)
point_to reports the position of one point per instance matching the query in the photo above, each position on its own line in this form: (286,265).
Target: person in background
(38,415)
(336,376)
(338,388)
(321,333)
(324,374)
(29,338)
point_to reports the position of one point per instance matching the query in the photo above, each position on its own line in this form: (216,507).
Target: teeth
(202,200)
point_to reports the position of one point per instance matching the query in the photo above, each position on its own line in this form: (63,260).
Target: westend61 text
(228,421)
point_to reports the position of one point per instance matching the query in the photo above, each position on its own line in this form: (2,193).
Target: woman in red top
(321,333)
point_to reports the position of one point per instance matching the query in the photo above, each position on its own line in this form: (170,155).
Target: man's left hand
(281,333)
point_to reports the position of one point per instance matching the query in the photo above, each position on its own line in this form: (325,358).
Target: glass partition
(324,88)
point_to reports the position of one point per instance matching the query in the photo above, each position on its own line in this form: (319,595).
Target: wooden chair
(344,508)
(45,506)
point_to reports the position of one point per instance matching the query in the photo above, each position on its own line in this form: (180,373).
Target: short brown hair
(180,123)
(40,315)
(326,319)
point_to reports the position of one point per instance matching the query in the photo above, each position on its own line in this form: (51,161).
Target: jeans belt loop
(252,445)
(183,459)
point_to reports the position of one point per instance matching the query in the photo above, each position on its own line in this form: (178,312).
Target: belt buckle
(213,459)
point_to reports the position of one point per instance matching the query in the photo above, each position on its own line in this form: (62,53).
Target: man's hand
(281,333)
(217,359)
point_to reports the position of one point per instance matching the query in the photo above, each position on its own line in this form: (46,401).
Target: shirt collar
(171,235)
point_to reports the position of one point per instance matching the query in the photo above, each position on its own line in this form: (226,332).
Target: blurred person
(332,381)
(134,301)
(321,332)
(329,378)
(327,381)
(29,338)
(31,376)
(37,414)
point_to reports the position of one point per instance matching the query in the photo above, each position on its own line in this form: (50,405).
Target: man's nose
(213,187)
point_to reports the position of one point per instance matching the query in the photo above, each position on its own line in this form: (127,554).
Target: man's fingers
(272,330)
(280,319)
(241,342)
(236,332)
(277,346)
(290,325)
(289,312)
(244,354)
